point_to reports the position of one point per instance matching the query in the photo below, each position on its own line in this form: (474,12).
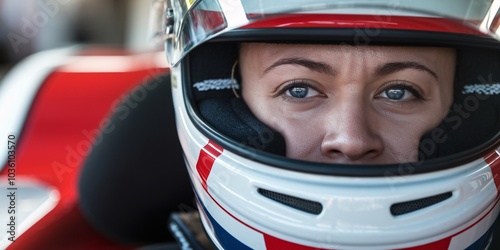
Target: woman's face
(348,104)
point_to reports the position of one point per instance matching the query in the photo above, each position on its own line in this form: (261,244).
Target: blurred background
(29,26)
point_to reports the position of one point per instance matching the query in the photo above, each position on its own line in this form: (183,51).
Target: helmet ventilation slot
(414,205)
(307,206)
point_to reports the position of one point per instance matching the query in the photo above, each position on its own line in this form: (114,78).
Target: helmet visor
(197,21)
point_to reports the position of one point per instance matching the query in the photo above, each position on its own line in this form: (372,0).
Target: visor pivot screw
(169,21)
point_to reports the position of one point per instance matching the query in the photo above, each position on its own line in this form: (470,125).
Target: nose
(352,135)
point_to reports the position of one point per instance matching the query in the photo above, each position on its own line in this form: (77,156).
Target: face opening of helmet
(342,89)
(291,112)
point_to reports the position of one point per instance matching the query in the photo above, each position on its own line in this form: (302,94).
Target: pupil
(395,94)
(298,92)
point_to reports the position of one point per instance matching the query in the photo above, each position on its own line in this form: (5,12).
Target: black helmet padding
(211,66)
(473,118)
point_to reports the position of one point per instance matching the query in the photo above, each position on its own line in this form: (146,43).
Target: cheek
(253,95)
(402,138)
(301,131)
(401,145)
(302,138)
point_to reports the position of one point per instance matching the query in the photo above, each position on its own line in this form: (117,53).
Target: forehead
(319,51)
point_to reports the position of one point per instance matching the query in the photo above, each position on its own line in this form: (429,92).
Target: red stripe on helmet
(445,243)
(369,22)
(273,243)
(493,160)
(440,244)
(206,160)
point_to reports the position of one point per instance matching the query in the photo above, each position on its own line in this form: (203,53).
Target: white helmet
(251,196)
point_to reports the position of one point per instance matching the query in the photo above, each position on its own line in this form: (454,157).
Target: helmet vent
(414,205)
(307,206)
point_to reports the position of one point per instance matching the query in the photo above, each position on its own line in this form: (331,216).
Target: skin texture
(348,104)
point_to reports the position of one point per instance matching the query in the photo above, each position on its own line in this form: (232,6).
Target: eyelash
(304,83)
(291,84)
(407,86)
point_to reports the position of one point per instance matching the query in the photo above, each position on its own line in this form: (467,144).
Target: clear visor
(186,24)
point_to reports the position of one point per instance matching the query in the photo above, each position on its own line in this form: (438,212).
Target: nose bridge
(351,98)
(353,122)
(351,132)
(351,116)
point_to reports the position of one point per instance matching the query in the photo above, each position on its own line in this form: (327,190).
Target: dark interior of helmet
(219,105)
(472,123)
(473,118)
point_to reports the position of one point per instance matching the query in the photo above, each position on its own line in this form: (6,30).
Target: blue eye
(395,93)
(298,91)
(401,92)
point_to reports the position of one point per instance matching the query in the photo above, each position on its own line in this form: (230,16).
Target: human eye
(298,89)
(400,91)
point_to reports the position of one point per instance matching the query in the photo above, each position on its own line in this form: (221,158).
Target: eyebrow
(392,67)
(310,64)
(324,68)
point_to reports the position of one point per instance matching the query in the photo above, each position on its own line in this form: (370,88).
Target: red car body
(71,101)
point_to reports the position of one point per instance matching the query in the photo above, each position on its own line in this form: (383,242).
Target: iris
(395,93)
(298,92)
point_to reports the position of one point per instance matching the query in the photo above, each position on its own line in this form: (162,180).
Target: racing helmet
(251,196)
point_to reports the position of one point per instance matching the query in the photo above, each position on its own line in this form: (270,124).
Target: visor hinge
(169,22)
